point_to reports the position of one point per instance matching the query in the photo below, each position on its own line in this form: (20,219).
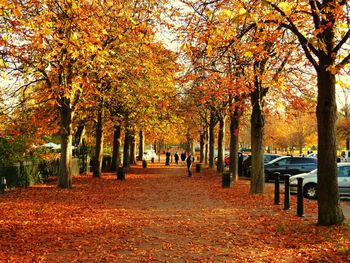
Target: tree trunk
(201,146)
(78,138)
(97,168)
(126,154)
(141,145)
(132,148)
(257,137)
(188,141)
(206,151)
(211,140)
(221,145)
(234,132)
(329,211)
(116,148)
(66,114)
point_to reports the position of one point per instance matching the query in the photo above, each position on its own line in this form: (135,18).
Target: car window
(311,160)
(344,171)
(303,160)
(268,158)
(284,161)
(295,160)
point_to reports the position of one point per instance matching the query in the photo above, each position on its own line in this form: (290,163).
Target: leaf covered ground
(159,214)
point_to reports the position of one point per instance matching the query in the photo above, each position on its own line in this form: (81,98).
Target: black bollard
(286,192)
(226,179)
(277,188)
(198,167)
(144,164)
(121,173)
(300,201)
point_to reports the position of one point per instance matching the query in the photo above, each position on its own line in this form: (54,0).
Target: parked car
(289,165)
(227,158)
(310,182)
(313,155)
(268,157)
(148,155)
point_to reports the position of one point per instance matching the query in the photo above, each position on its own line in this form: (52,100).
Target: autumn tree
(322,30)
(210,48)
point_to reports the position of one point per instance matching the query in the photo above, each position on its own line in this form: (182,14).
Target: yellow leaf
(3,64)
(228,13)
(285,7)
(248,54)
(242,11)
(209,49)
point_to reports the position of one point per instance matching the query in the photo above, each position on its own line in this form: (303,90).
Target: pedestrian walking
(176,157)
(189,164)
(167,158)
(183,158)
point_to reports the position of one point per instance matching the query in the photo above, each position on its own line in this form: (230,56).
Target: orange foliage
(159,214)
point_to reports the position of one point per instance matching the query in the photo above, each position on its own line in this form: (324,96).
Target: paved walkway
(157,214)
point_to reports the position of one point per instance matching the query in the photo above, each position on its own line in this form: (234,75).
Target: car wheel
(310,191)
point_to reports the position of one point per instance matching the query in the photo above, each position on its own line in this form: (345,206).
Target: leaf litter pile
(159,214)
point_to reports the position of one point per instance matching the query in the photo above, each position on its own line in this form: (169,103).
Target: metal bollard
(226,179)
(144,164)
(198,167)
(286,192)
(300,201)
(277,188)
(121,173)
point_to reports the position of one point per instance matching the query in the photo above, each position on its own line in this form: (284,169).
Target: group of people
(184,158)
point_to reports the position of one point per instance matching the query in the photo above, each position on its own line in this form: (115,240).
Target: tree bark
(132,148)
(257,139)
(201,146)
(78,138)
(66,114)
(221,145)
(234,133)
(206,151)
(126,154)
(141,145)
(97,168)
(116,148)
(188,141)
(329,211)
(212,124)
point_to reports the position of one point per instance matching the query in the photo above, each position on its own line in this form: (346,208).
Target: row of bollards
(300,200)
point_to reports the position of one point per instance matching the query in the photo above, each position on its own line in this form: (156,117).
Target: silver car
(310,182)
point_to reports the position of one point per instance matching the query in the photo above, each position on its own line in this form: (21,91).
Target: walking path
(158,214)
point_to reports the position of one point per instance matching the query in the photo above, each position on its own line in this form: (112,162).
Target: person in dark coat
(189,164)
(183,158)
(176,157)
(167,158)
